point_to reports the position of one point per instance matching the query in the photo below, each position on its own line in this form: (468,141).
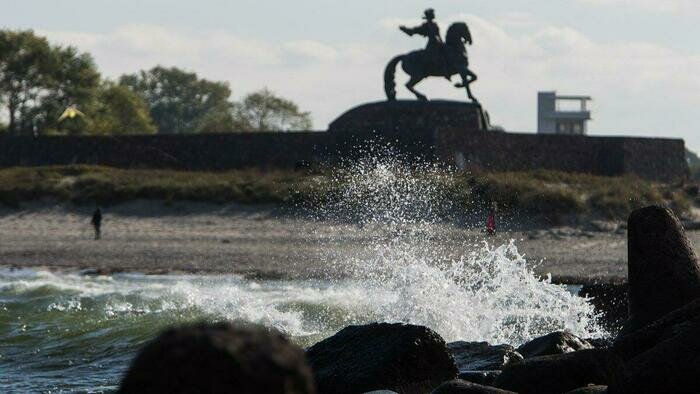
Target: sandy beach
(263,241)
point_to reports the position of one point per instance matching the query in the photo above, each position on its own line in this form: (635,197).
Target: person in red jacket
(491,220)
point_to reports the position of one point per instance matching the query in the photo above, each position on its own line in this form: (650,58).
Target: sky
(638,59)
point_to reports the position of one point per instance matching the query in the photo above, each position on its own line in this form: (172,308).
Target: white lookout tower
(562,114)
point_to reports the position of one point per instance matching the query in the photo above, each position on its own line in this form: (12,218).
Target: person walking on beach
(97,222)
(491,220)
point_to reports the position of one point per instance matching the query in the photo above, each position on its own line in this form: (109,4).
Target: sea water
(68,332)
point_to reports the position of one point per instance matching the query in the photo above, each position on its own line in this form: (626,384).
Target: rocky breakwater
(657,351)
(660,342)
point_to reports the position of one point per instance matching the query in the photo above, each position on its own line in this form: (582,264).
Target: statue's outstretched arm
(414,30)
(407,30)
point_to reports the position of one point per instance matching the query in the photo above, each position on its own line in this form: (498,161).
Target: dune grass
(563,193)
(530,193)
(89,184)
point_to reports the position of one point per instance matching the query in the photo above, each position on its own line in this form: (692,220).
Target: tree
(75,82)
(24,73)
(179,101)
(120,111)
(38,81)
(263,111)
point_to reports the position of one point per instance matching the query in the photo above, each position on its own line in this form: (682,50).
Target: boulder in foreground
(677,322)
(480,377)
(592,389)
(381,356)
(480,356)
(671,363)
(219,358)
(458,386)
(558,342)
(663,270)
(560,373)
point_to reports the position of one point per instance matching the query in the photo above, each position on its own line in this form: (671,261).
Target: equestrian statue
(438,59)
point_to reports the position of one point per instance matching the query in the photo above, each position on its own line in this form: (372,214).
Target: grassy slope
(536,193)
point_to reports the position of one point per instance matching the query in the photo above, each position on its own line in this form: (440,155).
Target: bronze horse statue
(422,64)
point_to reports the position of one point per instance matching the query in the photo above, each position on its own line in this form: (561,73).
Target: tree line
(39,81)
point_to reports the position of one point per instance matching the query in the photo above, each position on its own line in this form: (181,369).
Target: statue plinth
(404,116)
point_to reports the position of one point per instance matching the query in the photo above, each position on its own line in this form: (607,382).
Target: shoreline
(268,242)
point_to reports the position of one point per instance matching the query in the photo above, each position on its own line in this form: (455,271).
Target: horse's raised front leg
(467,78)
(413,82)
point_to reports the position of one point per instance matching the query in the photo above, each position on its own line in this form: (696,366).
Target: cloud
(392,24)
(638,87)
(313,50)
(677,7)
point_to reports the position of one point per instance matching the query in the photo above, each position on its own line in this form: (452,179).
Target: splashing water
(488,293)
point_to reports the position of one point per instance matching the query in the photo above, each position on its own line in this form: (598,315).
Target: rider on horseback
(439,59)
(428,29)
(436,47)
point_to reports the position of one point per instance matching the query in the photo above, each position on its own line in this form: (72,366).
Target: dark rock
(557,342)
(480,356)
(663,270)
(400,357)
(561,372)
(671,366)
(219,358)
(600,343)
(592,389)
(463,387)
(480,377)
(631,345)
(610,302)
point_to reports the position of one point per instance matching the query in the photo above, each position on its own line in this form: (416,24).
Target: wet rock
(400,357)
(219,358)
(663,270)
(557,342)
(480,356)
(610,302)
(671,366)
(463,387)
(561,372)
(480,377)
(592,389)
(677,322)
(600,343)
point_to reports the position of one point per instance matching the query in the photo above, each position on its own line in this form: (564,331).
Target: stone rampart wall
(476,150)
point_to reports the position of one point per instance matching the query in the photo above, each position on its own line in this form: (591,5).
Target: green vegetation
(120,111)
(179,101)
(538,193)
(88,184)
(263,111)
(38,81)
(560,194)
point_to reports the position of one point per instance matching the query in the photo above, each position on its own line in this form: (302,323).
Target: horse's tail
(389,84)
